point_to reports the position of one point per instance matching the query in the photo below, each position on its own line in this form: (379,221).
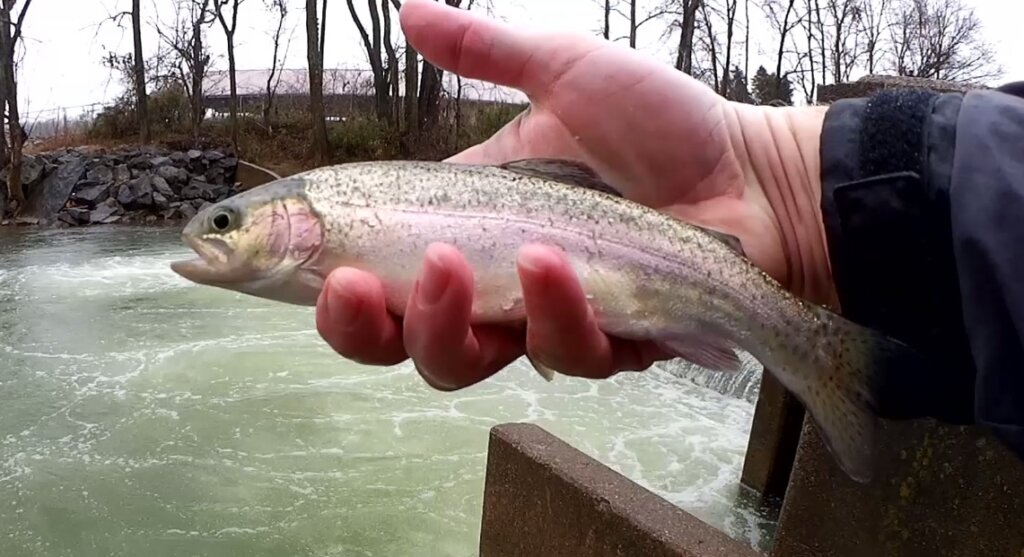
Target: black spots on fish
(438,198)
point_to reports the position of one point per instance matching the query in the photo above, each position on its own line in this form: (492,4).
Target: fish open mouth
(211,265)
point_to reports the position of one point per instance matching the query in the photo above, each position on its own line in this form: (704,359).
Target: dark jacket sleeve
(923,205)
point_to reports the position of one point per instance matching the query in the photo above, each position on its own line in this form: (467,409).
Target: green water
(143,415)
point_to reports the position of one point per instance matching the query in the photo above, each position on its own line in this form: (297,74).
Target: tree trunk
(229,36)
(269,103)
(380,80)
(393,108)
(5,150)
(632,24)
(684,54)
(783,32)
(199,70)
(141,98)
(314,58)
(607,19)
(430,90)
(234,92)
(412,60)
(746,41)
(14,191)
(373,53)
(730,22)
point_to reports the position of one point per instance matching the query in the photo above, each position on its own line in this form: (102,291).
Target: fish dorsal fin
(732,242)
(563,171)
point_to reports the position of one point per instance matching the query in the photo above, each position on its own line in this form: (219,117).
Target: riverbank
(84,186)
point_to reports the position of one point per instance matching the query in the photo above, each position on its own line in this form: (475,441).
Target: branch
(21,20)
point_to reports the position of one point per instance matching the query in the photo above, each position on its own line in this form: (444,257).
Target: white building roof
(342,81)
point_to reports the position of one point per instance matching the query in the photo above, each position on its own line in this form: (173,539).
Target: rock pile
(79,187)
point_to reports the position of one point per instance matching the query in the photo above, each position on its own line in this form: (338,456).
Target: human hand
(659,136)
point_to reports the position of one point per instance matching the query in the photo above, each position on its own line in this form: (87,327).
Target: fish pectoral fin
(564,171)
(547,373)
(707,352)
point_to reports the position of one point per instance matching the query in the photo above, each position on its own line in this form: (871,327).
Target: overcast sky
(63,50)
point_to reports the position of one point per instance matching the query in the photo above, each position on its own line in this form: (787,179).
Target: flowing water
(143,415)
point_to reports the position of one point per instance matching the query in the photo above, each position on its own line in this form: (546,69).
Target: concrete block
(543,498)
(940,491)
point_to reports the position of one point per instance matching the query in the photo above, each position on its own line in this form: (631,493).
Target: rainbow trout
(648,276)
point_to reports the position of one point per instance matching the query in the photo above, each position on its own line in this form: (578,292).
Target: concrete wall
(543,498)
(869,84)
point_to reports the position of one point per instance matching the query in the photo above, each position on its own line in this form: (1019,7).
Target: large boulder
(90,194)
(198,189)
(103,213)
(174,176)
(45,202)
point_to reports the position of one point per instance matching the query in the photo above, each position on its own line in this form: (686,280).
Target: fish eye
(223,219)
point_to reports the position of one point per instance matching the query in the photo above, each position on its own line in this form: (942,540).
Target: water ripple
(143,414)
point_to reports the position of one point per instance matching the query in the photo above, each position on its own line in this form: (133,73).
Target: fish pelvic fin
(564,171)
(544,371)
(844,398)
(707,352)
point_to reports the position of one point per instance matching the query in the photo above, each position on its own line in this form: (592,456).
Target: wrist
(779,150)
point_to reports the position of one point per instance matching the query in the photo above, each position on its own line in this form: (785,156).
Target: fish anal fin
(708,352)
(565,171)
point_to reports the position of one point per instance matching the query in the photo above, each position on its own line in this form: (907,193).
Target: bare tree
(806,62)
(783,17)
(372,42)
(684,20)
(872,26)
(132,67)
(229,35)
(834,45)
(939,39)
(633,17)
(710,40)
(315,35)
(730,25)
(185,39)
(410,111)
(10,34)
(281,7)
(848,45)
(392,67)
(429,108)
(139,63)
(746,40)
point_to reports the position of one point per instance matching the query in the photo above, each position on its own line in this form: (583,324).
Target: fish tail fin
(845,395)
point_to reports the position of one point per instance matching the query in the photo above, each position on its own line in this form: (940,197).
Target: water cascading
(744,384)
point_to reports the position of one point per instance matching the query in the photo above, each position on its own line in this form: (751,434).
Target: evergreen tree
(738,89)
(768,90)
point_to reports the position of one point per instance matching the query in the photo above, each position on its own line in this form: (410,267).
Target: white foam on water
(141,399)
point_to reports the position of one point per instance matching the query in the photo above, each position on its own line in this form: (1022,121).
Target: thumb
(477,47)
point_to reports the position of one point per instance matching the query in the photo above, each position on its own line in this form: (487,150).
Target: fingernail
(434,281)
(536,258)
